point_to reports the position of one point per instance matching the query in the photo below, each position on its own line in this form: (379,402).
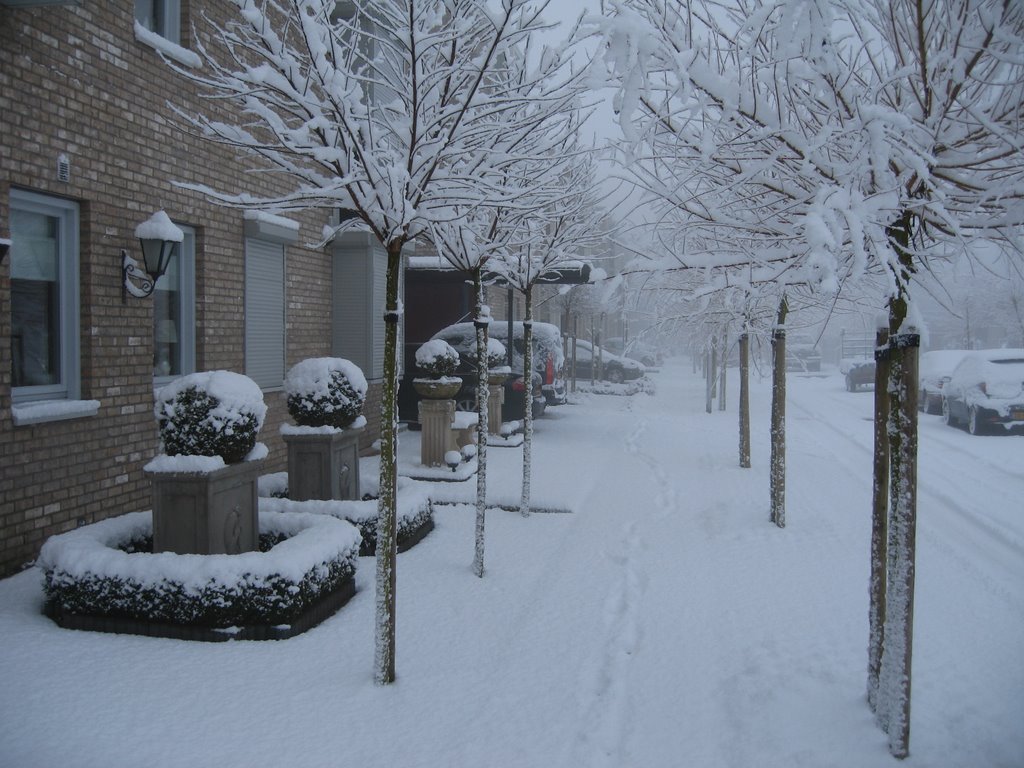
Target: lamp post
(159,238)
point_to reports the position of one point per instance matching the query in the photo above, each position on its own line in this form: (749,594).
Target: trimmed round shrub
(437,358)
(325,392)
(215,413)
(497,356)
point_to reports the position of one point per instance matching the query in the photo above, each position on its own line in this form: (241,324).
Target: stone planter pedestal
(322,465)
(436,437)
(207,513)
(495,399)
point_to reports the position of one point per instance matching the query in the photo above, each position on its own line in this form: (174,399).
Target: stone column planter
(436,436)
(211,512)
(323,463)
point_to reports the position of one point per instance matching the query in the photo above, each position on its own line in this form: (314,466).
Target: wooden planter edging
(321,610)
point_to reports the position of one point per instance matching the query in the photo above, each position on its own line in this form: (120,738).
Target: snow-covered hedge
(213,413)
(414,513)
(325,392)
(437,358)
(105,569)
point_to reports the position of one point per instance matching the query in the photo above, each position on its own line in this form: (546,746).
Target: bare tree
(391,109)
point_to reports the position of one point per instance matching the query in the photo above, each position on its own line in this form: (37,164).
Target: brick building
(89,148)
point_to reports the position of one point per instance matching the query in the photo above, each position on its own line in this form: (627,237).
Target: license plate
(1017,415)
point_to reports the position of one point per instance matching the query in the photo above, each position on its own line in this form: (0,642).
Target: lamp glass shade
(157,255)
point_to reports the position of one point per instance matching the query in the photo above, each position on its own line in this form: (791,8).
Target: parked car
(986,391)
(802,354)
(548,357)
(858,373)
(935,369)
(635,350)
(615,369)
(547,386)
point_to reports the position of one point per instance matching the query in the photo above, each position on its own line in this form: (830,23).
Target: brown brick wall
(75,81)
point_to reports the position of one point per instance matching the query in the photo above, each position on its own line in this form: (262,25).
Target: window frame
(186,300)
(171,11)
(68,253)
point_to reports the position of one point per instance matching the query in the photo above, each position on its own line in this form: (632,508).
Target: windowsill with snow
(165,47)
(44,411)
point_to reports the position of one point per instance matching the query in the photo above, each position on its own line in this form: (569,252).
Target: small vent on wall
(63,169)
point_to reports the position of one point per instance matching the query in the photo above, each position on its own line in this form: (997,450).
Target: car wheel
(974,423)
(850,385)
(947,416)
(467,404)
(615,375)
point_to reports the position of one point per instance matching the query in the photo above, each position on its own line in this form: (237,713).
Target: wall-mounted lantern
(159,238)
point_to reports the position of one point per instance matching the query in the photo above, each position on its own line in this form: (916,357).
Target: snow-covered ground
(664,622)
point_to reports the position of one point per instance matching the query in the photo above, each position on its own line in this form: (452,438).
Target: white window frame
(171,11)
(67,214)
(186,296)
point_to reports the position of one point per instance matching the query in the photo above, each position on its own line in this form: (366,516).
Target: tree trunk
(384,641)
(709,377)
(524,502)
(879,517)
(724,361)
(713,369)
(481,323)
(895,673)
(777,470)
(898,632)
(744,400)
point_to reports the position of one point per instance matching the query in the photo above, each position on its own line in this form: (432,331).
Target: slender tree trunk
(879,517)
(744,400)
(895,673)
(524,502)
(709,377)
(713,369)
(897,651)
(384,630)
(481,323)
(777,470)
(724,366)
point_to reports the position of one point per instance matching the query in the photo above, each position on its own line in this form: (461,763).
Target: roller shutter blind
(264,313)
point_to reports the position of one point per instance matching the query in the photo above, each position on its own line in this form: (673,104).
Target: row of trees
(795,146)
(435,120)
(814,143)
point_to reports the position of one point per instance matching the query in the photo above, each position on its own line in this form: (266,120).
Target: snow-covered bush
(214,413)
(104,570)
(497,355)
(437,358)
(325,392)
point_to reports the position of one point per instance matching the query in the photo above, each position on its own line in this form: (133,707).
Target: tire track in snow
(607,723)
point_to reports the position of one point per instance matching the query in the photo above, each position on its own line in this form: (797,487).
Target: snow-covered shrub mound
(437,358)
(214,413)
(325,392)
(497,357)
(105,569)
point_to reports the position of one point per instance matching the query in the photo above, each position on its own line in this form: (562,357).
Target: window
(264,312)
(174,314)
(44,297)
(160,16)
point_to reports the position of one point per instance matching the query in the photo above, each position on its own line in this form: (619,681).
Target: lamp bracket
(136,281)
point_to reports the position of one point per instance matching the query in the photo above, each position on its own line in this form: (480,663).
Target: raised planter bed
(415,515)
(104,578)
